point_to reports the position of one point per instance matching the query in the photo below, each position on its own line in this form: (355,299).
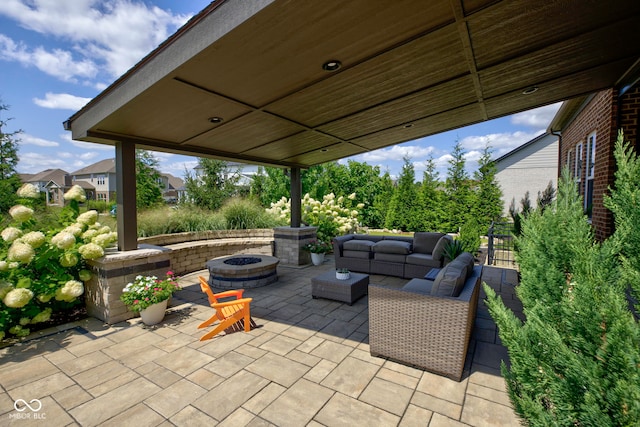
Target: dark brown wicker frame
(425,331)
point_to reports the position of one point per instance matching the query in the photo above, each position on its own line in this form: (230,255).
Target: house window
(101,179)
(589,173)
(101,196)
(568,163)
(577,167)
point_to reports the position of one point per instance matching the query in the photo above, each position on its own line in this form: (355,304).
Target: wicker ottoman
(327,286)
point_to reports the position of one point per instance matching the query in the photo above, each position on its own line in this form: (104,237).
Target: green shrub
(575,361)
(242,214)
(470,233)
(186,218)
(99,205)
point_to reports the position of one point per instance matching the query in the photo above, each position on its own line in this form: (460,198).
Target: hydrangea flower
(71,290)
(5,287)
(28,191)
(4,265)
(44,298)
(68,259)
(75,229)
(91,251)
(104,240)
(63,240)
(19,331)
(84,275)
(21,213)
(75,193)
(10,234)
(43,316)
(20,252)
(88,218)
(35,239)
(89,234)
(17,298)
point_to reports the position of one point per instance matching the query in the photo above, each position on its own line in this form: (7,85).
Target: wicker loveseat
(402,256)
(419,325)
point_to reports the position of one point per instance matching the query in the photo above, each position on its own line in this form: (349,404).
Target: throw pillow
(450,279)
(438,250)
(424,242)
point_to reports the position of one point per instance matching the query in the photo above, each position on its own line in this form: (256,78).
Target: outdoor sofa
(402,256)
(427,323)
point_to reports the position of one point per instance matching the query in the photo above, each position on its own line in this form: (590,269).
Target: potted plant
(343,274)
(149,296)
(317,248)
(451,250)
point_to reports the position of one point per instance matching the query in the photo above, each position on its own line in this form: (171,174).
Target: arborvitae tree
(378,213)
(403,209)
(624,202)
(9,178)
(215,183)
(432,209)
(518,216)
(488,206)
(457,190)
(148,192)
(546,197)
(575,361)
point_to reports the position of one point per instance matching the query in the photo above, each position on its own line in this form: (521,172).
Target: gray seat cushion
(450,281)
(382,256)
(424,242)
(467,258)
(356,254)
(358,245)
(392,247)
(422,259)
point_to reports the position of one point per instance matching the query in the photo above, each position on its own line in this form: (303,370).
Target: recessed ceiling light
(408,125)
(324,150)
(215,119)
(331,65)
(530,90)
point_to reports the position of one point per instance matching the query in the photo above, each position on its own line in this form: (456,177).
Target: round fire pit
(242,271)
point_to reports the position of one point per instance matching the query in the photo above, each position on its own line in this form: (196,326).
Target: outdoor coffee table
(327,286)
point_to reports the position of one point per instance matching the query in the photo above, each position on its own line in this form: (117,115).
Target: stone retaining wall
(191,251)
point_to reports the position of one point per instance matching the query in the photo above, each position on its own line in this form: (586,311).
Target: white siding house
(529,167)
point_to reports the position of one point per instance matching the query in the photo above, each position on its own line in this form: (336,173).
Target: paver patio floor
(307,363)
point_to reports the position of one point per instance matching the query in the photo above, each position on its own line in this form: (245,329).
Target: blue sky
(55,55)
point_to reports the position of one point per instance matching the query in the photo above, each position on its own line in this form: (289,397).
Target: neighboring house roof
(84,184)
(25,177)
(103,166)
(524,146)
(174,182)
(47,175)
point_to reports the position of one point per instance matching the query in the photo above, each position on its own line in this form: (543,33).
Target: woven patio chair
(233,315)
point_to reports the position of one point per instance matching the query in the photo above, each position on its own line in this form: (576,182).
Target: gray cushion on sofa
(422,259)
(358,245)
(438,250)
(383,256)
(420,286)
(392,247)
(424,242)
(450,280)
(467,258)
(356,254)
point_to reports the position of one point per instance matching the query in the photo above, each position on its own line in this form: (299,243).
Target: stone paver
(307,363)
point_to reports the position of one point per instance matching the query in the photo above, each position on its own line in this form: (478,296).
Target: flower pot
(317,258)
(154,313)
(343,276)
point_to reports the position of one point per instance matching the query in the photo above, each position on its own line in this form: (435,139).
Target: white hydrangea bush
(43,271)
(333,216)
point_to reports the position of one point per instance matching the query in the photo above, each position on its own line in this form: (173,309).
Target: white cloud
(111,36)
(26,139)
(31,162)
(538,117)
(397,153)
(58,63)
(499,142)
(62,101)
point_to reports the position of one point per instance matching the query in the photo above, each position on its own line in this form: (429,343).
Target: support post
(126,196)
(296,198)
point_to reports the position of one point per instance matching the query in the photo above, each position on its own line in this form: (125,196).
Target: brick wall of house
(601,115)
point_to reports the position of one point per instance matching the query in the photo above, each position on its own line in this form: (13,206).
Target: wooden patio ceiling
(409,69)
